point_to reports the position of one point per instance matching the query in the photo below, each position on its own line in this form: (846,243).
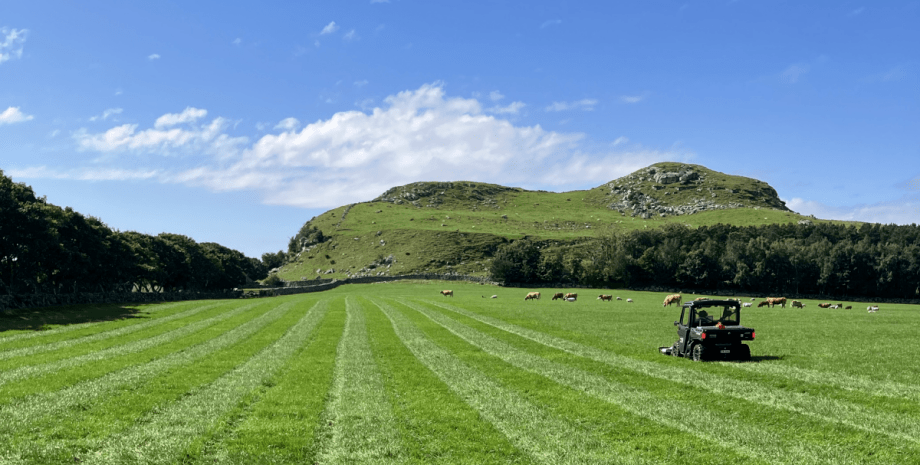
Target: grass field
(397,373)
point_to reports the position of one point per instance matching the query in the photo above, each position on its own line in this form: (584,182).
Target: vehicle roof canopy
(696,304)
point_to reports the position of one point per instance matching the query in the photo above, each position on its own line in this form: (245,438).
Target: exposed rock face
(651,192)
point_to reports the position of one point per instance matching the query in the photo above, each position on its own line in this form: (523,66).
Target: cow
(447,292)
(494,297)
(605,297)
(629,301)
(781,301)
(571,295)
(619,298)
(872,308)
(797,304)
(824,305)
(530,296)
(672,299)
(558,295)
(753,299)
(538,295)
(848,307)
(746,304)
(763,303)
(701,298)
(835,306)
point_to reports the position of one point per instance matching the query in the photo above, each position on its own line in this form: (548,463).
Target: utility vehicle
(711,330)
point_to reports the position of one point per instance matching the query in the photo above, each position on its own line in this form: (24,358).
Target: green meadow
(397,373)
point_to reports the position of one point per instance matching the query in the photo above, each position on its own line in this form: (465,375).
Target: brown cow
(532,295)
(797,304)
(777,300)
(763,303)
(824,305)
(571,295)
(848,307)
(701,298)
(447,292)
(558,295)
(672,299)
(605,297)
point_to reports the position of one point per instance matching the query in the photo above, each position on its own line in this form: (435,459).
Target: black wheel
(744,353)
(674,351)
(698,353)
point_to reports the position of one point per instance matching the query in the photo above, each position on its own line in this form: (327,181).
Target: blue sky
(235,123)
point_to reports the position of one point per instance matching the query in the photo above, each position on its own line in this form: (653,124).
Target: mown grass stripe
(28,371)
(875,387)
(826,409)
(541,435)
(358,423)
(22,414)
(29,334)
(435,424)
(280,426)
(163,435)
(122,331)
(711,425)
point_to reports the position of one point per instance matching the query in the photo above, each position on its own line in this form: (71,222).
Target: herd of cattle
(676,298)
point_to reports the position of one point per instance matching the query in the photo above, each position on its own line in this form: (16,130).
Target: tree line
(827,259)
(48,249)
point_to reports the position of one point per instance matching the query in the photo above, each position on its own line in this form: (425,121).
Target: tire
(698,353)
(674,351)
(744,353)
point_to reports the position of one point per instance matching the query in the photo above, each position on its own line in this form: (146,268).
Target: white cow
(746,304)
(619,298)
(629,300)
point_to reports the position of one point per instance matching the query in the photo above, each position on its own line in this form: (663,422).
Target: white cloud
(153,56)
(794,72)
(632,98)
(105,114)
(361,83)
(288,124)
(620,140)
(351,35)
(11,41)
(583,104)
(551,22)
(188,115)
(13,115)
(330,28)
(84,174)
(512,108)
(380,1)
(905,210)
(237,41)
(415,135)
(496,95)
(857,11)
(54,133)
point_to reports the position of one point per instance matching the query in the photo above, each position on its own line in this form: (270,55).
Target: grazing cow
(447,292)
(571,295)
(824,305)
(763,303)
(872,308)
(747,304)
(777,300)
(753,299)
(797,304)
(835,307)
(530,296)
(605,297)
(619,298)
(629,301)
(848,307)
(701,298)
(673,298)
(494,297)
(538,295)
(558,295)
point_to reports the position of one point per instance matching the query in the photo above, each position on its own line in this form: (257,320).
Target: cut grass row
(380,373)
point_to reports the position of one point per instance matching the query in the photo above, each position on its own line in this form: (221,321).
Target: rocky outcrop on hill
(680,189)
(433,194)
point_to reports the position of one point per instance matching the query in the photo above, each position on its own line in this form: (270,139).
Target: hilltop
(457,226)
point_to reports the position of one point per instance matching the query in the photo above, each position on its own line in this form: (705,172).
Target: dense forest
(826,259)
(48,249)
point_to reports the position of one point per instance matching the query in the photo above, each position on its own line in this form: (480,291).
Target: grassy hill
(456,226)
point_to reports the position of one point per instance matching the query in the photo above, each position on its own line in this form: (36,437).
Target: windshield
(709,316)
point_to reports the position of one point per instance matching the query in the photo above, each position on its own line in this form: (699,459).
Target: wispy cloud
(583,104)
(105,114)
(414,135)
(237,41)
(620,140)
(361,83)
(632,98)
(792,73)
(495,96)
(84,174)
(552,22)
(13,115)
(11,41)
(380,1)
(330,28)
(513,108)
(153,56)
(857,11)
(905,210)
(350,35)
(188,115)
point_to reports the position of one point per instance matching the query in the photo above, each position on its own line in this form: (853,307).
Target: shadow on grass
(765,358)
(37,319)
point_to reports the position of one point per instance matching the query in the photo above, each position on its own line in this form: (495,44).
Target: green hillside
(456,226)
